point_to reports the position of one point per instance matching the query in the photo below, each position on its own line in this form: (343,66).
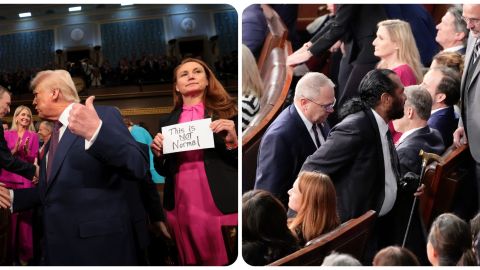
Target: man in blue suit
(291,138)
(443,84)
(86,215)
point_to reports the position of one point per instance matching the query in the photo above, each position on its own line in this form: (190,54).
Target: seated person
(266,237)
(450,242)
(252,86)
(417,135)
(340,259)
(314,199)
(443,84)
(451,60)
(395,256)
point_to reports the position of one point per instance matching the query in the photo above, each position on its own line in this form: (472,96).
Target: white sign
(187,136)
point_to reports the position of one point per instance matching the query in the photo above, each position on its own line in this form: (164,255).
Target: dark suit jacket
(470,97)
(87,218)
(254,28)
(430,141)
(357,25)
(446,122)
(283,149)
(12,164)
(221,167)
(353,158)
(426,139)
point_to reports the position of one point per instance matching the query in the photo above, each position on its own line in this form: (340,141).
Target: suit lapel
(470,77)
(62,149)
(301,126)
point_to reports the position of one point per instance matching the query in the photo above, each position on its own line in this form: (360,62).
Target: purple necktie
(53,146)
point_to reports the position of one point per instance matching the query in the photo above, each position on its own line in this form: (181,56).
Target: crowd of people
(396,95)
(86,194)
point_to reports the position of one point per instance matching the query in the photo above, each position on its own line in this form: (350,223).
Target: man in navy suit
(86,215)
(443,84)
(290,139)
(417,135)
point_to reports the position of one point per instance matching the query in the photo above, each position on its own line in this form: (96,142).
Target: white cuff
(94,137)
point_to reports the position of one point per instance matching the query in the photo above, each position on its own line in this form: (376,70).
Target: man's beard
(396,111)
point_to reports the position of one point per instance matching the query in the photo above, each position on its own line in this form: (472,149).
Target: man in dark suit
(86,216)
(356,25)
(452,31)
(7,160)
(290,139)
(359,155)
(469,123)
(443,84)
(417,135)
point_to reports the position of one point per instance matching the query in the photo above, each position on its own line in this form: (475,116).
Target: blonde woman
(252,87)
(314,199)
(397,50)
(22,140)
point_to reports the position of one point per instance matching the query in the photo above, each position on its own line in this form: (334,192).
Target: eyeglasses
(471,20)
(326,107)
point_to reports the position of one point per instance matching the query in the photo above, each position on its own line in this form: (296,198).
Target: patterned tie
(315,133)
(393,156)
(53,146)
(476,50)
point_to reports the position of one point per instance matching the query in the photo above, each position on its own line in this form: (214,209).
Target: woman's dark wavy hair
(371,88)
(264,223)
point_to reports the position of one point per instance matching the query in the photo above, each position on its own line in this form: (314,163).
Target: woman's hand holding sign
(157,145)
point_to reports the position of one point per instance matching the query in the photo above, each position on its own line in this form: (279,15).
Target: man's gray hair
(310,84)
(419,98)
(340,259)
(460,24)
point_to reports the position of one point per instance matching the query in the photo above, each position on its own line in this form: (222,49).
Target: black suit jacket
(357,26)
(446,122)
(283,149)
(353,158)
(12,164)
(221,167)
(426,139)
(87,217)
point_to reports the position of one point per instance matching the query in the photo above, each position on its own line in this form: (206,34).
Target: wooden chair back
(350,237)
(278,78)
(441,183)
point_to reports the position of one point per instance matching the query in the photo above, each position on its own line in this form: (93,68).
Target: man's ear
(55,93)
(440,97)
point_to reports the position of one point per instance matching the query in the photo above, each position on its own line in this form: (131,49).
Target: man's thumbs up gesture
(83,119)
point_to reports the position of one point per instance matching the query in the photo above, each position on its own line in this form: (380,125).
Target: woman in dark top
(200,195)
(266,237)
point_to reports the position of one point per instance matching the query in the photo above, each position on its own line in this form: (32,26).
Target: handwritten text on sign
(188,136)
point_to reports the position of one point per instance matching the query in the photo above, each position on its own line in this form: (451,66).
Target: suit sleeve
(337,28)
(25,199)
(11,163)
(116,147)
(339,149)
(274,164)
